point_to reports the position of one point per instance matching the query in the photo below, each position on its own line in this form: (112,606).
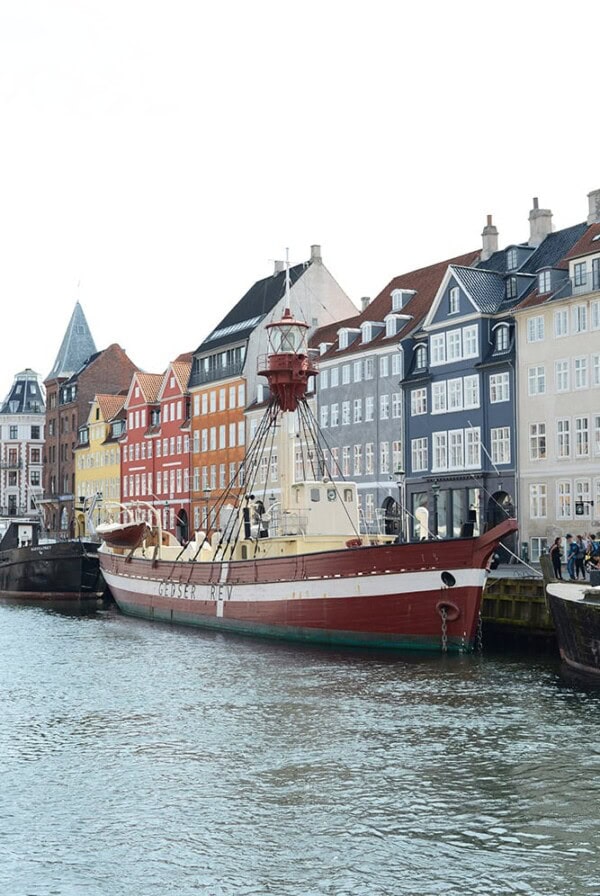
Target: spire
(77,345)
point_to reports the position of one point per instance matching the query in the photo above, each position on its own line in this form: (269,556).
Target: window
(535,329)
(579,313)
(345,374)
(440,450)
(583,493)
(537,501)
(456,457)
(357,416)
(563,437)
(455,394)
(438,349)
(13,432)
(397,364)
(419,457)
(596,436)
(369,457)
(595,307)
(511,259)
(345,413)
(561,323)
(511,288)
(358,371)
(453,345)
(420,357)
(335,377)
(391,324)
(499,387)
(397,405)
(473,447)
(369,408)
(536,377)
(579,272)
(470,342)
(454,300)
(438,398)
(369,368)
(561,375)
(324,379)
(335,414)
(595,370)
(384,407)
(500,443)
(384,366)
(537,441)
(418,402)
(357,466)
(345,461)
(471,391)
(544,281)
(582,436)
(501,341)
(580,373)
(324,415)
(35,432)
(564,507)
(384,457)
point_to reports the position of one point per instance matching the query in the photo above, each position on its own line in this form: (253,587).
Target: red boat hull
(423,595)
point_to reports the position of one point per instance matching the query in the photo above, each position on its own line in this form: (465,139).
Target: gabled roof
(182,370)
(425,283)
(486,288)
(260,299)
(25,396)
(587,243)
(149,384)
(76,347)
(110,405)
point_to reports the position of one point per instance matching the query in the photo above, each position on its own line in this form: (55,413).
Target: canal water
(143,760)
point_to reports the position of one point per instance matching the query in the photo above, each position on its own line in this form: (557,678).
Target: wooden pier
(515,605)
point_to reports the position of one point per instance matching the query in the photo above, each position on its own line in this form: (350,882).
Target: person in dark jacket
(555,556)
(571,556)
(580,558)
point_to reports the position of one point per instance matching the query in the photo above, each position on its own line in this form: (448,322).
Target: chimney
(279,267)
(594,206)
(365,302)
(490,239)
(540,223)
(315,255)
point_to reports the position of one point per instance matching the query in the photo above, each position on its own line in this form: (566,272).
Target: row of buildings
(464,391)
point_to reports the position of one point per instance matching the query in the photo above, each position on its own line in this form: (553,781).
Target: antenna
(287,276)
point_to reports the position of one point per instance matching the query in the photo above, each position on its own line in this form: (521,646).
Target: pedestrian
(580,557)
(555,556)
(571,555)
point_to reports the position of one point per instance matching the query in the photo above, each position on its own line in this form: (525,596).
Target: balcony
(580,285)
(11,464)
(200,377)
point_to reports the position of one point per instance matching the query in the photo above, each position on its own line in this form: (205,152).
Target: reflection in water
(145,759)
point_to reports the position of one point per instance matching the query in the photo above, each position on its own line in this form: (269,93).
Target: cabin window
(348,495)
(315,494)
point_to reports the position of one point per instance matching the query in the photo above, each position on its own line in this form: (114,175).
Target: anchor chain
(479,635)
(444,615)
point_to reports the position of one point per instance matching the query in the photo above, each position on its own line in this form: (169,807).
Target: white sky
(164,153)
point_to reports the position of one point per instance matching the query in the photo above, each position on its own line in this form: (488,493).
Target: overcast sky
(163,154)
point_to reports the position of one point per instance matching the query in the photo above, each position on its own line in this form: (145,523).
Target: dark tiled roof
(261,298)
(553,249)
(424,281)
(486,288)
(76,347)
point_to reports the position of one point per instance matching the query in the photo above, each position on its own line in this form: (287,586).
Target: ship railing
(288,523)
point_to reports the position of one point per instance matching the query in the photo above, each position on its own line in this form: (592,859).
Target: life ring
(452,611)
(354,543)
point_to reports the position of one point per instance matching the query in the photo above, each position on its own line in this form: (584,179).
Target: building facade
(21,446)
(98,458)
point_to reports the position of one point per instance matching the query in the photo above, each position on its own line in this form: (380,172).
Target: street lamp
(399,475)
(435,491)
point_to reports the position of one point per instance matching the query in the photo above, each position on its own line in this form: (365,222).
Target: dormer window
(501,340)
(544,281)
(324,347)
(420,357)
(346,336)
(511,288)
(400,297)
(391,326)
(454,300)
(343,339)
(512,260)
(580,274)
(366,330)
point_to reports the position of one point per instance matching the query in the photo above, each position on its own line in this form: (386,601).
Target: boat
(298,567)
(123,535)
(575,610)
(44,570)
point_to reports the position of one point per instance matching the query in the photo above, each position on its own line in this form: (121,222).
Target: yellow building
(98,456)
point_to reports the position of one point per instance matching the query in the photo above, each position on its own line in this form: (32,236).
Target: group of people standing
(580,549)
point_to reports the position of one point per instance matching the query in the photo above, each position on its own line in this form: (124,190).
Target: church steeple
(76,347)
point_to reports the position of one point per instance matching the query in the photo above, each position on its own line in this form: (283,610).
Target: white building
(21,446)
